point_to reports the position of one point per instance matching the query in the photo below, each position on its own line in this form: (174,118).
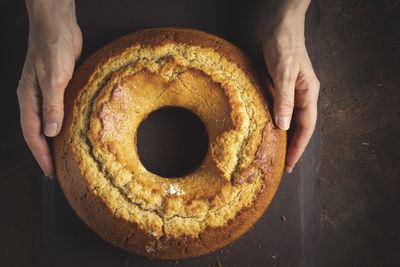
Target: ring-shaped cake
(96,157)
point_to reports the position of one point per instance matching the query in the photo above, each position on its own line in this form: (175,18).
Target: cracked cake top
(118,87)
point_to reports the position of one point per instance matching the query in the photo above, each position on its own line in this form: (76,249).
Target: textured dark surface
(360,122)
(360,187)
(17,168)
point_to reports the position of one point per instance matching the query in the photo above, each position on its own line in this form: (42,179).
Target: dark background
(359,48)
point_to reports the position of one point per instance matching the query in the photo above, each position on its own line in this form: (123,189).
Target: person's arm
(54,44)
(296,87)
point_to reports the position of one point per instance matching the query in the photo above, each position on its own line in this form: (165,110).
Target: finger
(305,119)
(29,102)
(77,43)
(284,79)
(53,86)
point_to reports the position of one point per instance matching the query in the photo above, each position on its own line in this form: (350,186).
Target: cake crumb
(283,218)
(150,249)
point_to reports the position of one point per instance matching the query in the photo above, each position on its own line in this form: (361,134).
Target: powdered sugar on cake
(175,190)
(115,122)
(152,233)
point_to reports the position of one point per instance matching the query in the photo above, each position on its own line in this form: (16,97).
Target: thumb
(284,83)
(53,105)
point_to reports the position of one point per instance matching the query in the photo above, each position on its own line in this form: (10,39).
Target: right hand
(54,45)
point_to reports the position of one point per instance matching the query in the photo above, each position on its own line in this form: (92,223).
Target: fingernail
(288,169)
(284,122)
(50,176)
(50,129)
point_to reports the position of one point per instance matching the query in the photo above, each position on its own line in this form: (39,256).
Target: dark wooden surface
(360,187)
(17,168)
(360,122)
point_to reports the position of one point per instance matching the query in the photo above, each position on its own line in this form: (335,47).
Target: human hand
(54,44)
(296,86)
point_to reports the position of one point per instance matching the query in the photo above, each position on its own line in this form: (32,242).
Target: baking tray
(286,235)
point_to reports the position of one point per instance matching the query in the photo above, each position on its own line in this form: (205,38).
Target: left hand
(296,86)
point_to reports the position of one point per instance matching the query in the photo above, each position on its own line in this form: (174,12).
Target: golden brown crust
(93,208)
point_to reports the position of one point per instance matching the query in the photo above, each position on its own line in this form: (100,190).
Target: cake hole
(172,142)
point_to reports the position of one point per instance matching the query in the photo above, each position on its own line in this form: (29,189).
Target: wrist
(50,12)
(279,14)
(49,20)
(293,8)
